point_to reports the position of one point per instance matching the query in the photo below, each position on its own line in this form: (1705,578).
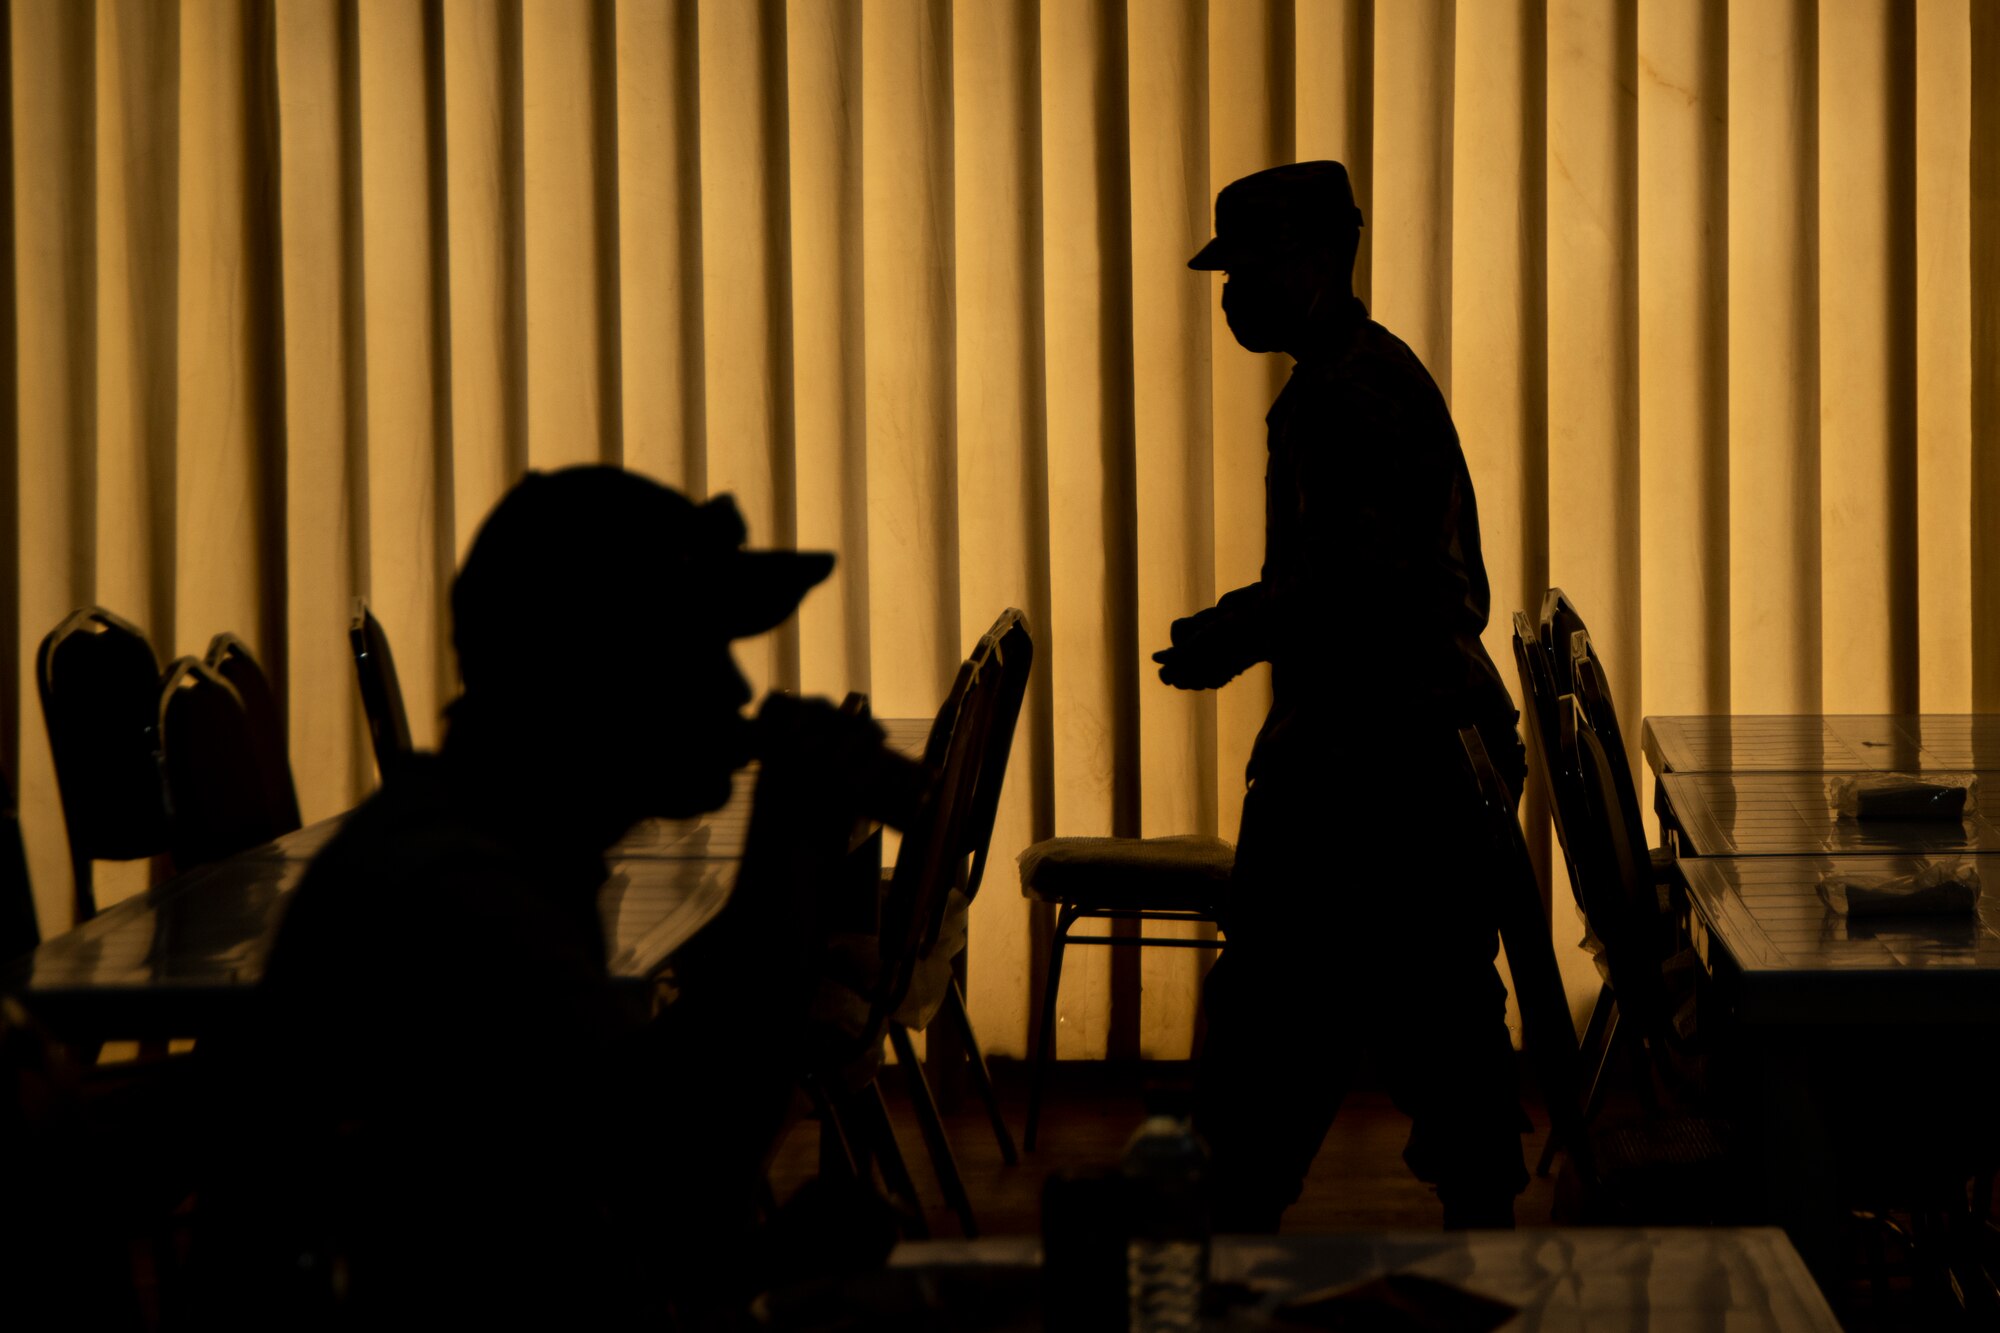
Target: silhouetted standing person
(1357,925)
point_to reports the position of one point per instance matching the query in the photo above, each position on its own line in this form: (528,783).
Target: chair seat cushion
(1187,873)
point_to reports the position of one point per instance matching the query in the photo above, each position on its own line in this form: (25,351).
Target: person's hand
(1189,669)
(1198,659)
(843,754)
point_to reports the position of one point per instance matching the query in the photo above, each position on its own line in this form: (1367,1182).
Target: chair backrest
(216,796)
(1613,875)
(1561,622)
(932,856)
(1548,1034)
(1593,703)
(19,931)
(231,659)
(1009,649)
(100,684)
(381,692)
(1531,663)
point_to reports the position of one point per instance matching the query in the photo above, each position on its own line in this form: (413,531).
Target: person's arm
(1211,648)
(1374,500)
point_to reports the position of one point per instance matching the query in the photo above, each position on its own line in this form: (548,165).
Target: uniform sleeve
(1374,502)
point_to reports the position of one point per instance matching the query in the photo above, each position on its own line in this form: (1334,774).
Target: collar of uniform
(507,803)
(1331,331)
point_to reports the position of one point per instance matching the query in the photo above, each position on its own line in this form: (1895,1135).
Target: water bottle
(1166,1256)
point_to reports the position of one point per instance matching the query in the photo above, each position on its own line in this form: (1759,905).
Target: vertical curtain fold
(297,290)
(1174,533)
(999,429)
(1774,485)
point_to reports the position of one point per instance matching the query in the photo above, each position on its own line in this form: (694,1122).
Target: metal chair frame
(381,691)
(1066,917)
(1008,648)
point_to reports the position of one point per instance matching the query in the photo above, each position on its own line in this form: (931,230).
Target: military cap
(1279,210)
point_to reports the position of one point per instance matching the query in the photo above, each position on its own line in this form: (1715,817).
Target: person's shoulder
(1389,365)
(403,829)
(401,859)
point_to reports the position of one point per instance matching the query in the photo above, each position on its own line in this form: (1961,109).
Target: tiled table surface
(1796,960)
(1822,743)
(1789,814)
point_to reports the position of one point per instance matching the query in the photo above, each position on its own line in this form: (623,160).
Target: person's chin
(698,797)
(1251,341)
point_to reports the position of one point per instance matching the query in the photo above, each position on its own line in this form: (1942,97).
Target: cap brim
(1211,258)
(765,587)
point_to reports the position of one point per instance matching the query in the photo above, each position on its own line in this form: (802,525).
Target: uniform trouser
(1357,930)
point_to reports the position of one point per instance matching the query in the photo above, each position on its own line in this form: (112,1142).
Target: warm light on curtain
(297,288)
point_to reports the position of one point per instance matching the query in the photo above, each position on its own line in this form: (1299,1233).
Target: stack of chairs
(1669,1165)
(1567,720)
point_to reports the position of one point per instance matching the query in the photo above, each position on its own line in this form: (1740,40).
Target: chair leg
(1593,1033)
(982,1078)
(1593,1101)
(889,1157)
(1045,1046)
(836,1153)
(921,1101)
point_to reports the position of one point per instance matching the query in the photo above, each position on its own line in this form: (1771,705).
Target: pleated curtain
(296,288)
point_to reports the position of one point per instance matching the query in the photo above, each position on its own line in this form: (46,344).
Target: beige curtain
(297,287)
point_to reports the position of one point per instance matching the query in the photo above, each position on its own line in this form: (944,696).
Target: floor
(1359,1181)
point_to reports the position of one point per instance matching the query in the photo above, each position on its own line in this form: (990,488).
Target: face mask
(1254,316)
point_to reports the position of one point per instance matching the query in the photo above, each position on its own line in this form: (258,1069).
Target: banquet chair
(218,802)
(873,977)
(230,658)
(1549,713)
(1541,701)
(1545,659)
(935,989)
(1564,637)
(19,931)
(1613,879)
(381,692)
(1174,879)
(100,683)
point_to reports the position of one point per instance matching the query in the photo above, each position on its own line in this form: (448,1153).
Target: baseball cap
(1280,209)
(602,551)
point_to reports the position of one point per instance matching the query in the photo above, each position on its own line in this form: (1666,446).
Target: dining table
(1757,836)
(1848,1043)
(1547,1279)
(1821,743)
(183,958)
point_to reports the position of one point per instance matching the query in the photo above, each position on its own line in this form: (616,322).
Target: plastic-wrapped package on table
(1937,888)
(1903,796)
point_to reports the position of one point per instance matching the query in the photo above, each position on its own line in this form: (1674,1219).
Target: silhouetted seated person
(1357,921)
(446,1114)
